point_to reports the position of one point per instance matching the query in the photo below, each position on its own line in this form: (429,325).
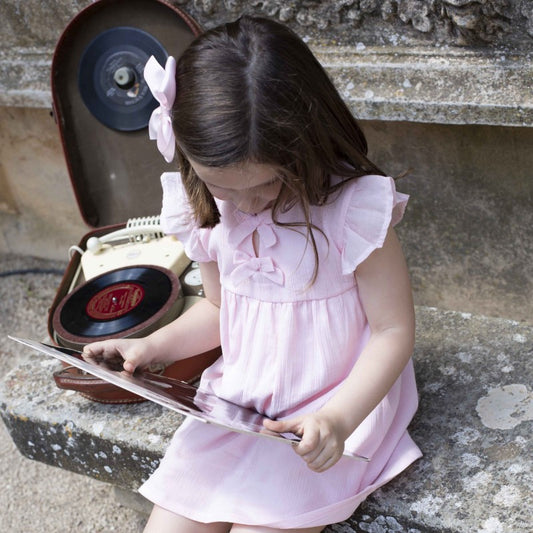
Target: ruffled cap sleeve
(177,219)
(371,206)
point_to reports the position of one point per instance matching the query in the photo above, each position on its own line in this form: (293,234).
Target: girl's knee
(163,521)
(239,528)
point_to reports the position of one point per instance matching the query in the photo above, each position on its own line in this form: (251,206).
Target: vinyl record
(127,302)
(111,81)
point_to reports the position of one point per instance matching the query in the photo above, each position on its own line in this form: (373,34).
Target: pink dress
(287,347)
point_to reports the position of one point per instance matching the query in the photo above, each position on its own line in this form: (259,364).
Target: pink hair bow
(162,83)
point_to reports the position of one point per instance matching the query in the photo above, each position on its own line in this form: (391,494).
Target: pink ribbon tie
(162,84)
(248,226)
(248,266)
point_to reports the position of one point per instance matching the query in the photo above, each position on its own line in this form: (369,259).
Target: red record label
(114,301)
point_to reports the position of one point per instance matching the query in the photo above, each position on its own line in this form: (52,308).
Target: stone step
(385,83)
(474,427)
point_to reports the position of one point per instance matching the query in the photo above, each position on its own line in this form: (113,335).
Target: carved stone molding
(479,23)
(443,61)
(503,24)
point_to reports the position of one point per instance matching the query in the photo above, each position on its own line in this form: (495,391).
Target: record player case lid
(114,174)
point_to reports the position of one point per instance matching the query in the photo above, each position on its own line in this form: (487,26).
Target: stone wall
(419,56)
(489,24)
(495,23)
(441,86)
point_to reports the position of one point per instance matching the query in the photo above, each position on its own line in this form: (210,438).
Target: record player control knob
(124,77)
(94,244)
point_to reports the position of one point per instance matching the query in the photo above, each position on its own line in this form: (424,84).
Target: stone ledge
(414,84)
(25,77)
(473,425)
(433,85)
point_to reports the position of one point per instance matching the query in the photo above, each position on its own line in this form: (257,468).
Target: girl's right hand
(131,353)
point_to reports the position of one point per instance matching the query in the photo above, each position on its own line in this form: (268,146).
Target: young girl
(306,289)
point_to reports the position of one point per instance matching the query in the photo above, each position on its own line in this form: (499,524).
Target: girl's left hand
(322,444)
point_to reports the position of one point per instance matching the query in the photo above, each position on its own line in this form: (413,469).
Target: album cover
(173,394)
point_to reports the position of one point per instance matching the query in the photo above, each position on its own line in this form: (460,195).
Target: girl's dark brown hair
(251,90)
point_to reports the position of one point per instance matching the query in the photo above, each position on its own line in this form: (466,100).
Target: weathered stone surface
(496,23)
(418,84)
(467,229)
(473,426)
(43,218)
(121,444)
(415,84)
(395,60)
(455,22)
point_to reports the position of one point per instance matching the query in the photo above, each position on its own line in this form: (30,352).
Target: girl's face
(251,187)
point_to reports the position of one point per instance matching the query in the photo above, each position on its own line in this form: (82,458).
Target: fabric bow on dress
(162,84)
(247,266)
(248,225)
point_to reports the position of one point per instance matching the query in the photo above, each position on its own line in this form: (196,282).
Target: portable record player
(124,279)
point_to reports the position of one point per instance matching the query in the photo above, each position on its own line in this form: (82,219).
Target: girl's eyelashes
(277,179)
(273,181)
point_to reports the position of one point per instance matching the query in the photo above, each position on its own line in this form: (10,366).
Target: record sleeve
(173,394)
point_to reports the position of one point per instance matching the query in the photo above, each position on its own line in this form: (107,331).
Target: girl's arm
(385,293)
(194,332)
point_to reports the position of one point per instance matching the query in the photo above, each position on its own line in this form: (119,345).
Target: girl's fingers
(95,350)
(88,356)
(311,445)
(119,354)
(318,451)
(313,457)
(323,465)
(326,458)
(91,354)
(283,426)
(130,366)
(107,352)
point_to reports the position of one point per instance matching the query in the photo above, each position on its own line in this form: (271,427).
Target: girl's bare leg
(163,521)
(237,528)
